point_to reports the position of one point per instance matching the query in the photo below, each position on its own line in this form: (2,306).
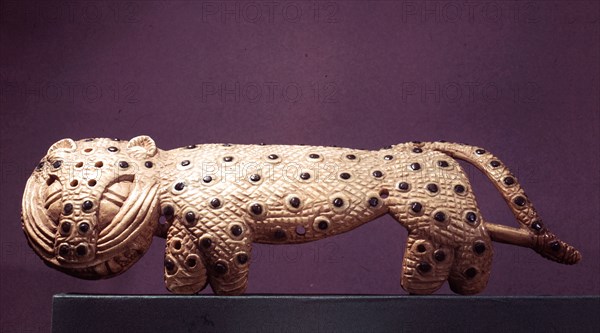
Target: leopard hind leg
(426,265)
(472,266)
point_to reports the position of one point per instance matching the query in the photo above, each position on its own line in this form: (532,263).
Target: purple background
(520,79)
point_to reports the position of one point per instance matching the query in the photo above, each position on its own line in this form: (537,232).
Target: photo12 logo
(70,12)
(436,92)
(268,92)
(69,92)
(269,12)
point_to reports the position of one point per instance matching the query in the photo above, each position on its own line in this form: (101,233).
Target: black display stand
(323,313)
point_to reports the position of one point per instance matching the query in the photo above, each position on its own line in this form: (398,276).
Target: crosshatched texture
(91,207)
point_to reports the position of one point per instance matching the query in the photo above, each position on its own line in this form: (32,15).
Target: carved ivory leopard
(91,208)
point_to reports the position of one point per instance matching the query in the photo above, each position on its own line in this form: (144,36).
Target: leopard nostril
(63,250)
(65,228)
(84,227)
(81,250)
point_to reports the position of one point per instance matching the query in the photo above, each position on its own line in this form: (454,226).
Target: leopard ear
(141,147)
(67,145)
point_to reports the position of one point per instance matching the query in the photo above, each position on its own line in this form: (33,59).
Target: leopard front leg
(185,272)
(226,248)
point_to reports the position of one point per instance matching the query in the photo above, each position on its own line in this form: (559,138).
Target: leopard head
(90,207)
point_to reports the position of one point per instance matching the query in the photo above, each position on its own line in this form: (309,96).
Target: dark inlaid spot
(236,230)
(417,142)
(314,156)
(87,205)
(509,181)
(388,157)
(345,175)
(206,242)
(471,217)
(377,174)
(179,186)
(416,207)
(39,166)
(439,255)
(88,140)
(415,166)
(63,250)
(294,202)
(555,246)
(424,267)
(185,162)
(520,201)
(255,178)
(479,247)
(228,158)
(495,164)
(68,209)
(65,228)
(242,258)
(84,227)
(148,164)
(338,202)
(57,164)
(74,183)
(537,225)
(169,265)
(215,203)
(190,146)
(351,156)
(207,179)
(168,211)
(421,248)
(439,216)
(279,234)
(123,165)
(433,188)
(99,164)
(81,250)
(300,230)
(471,272)
(80,164)
(373,202)
(305,175)
(256,209)
(480,151)
(227,145)
(459,189)
(443,164)
(113,149)
(417,150)
(403,186)
(190,217)
(323,225)
(221,267)
(273,157)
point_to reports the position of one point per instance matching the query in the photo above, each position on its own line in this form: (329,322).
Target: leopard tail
(531,232)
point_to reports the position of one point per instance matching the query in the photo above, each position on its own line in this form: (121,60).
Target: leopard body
(218,199)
